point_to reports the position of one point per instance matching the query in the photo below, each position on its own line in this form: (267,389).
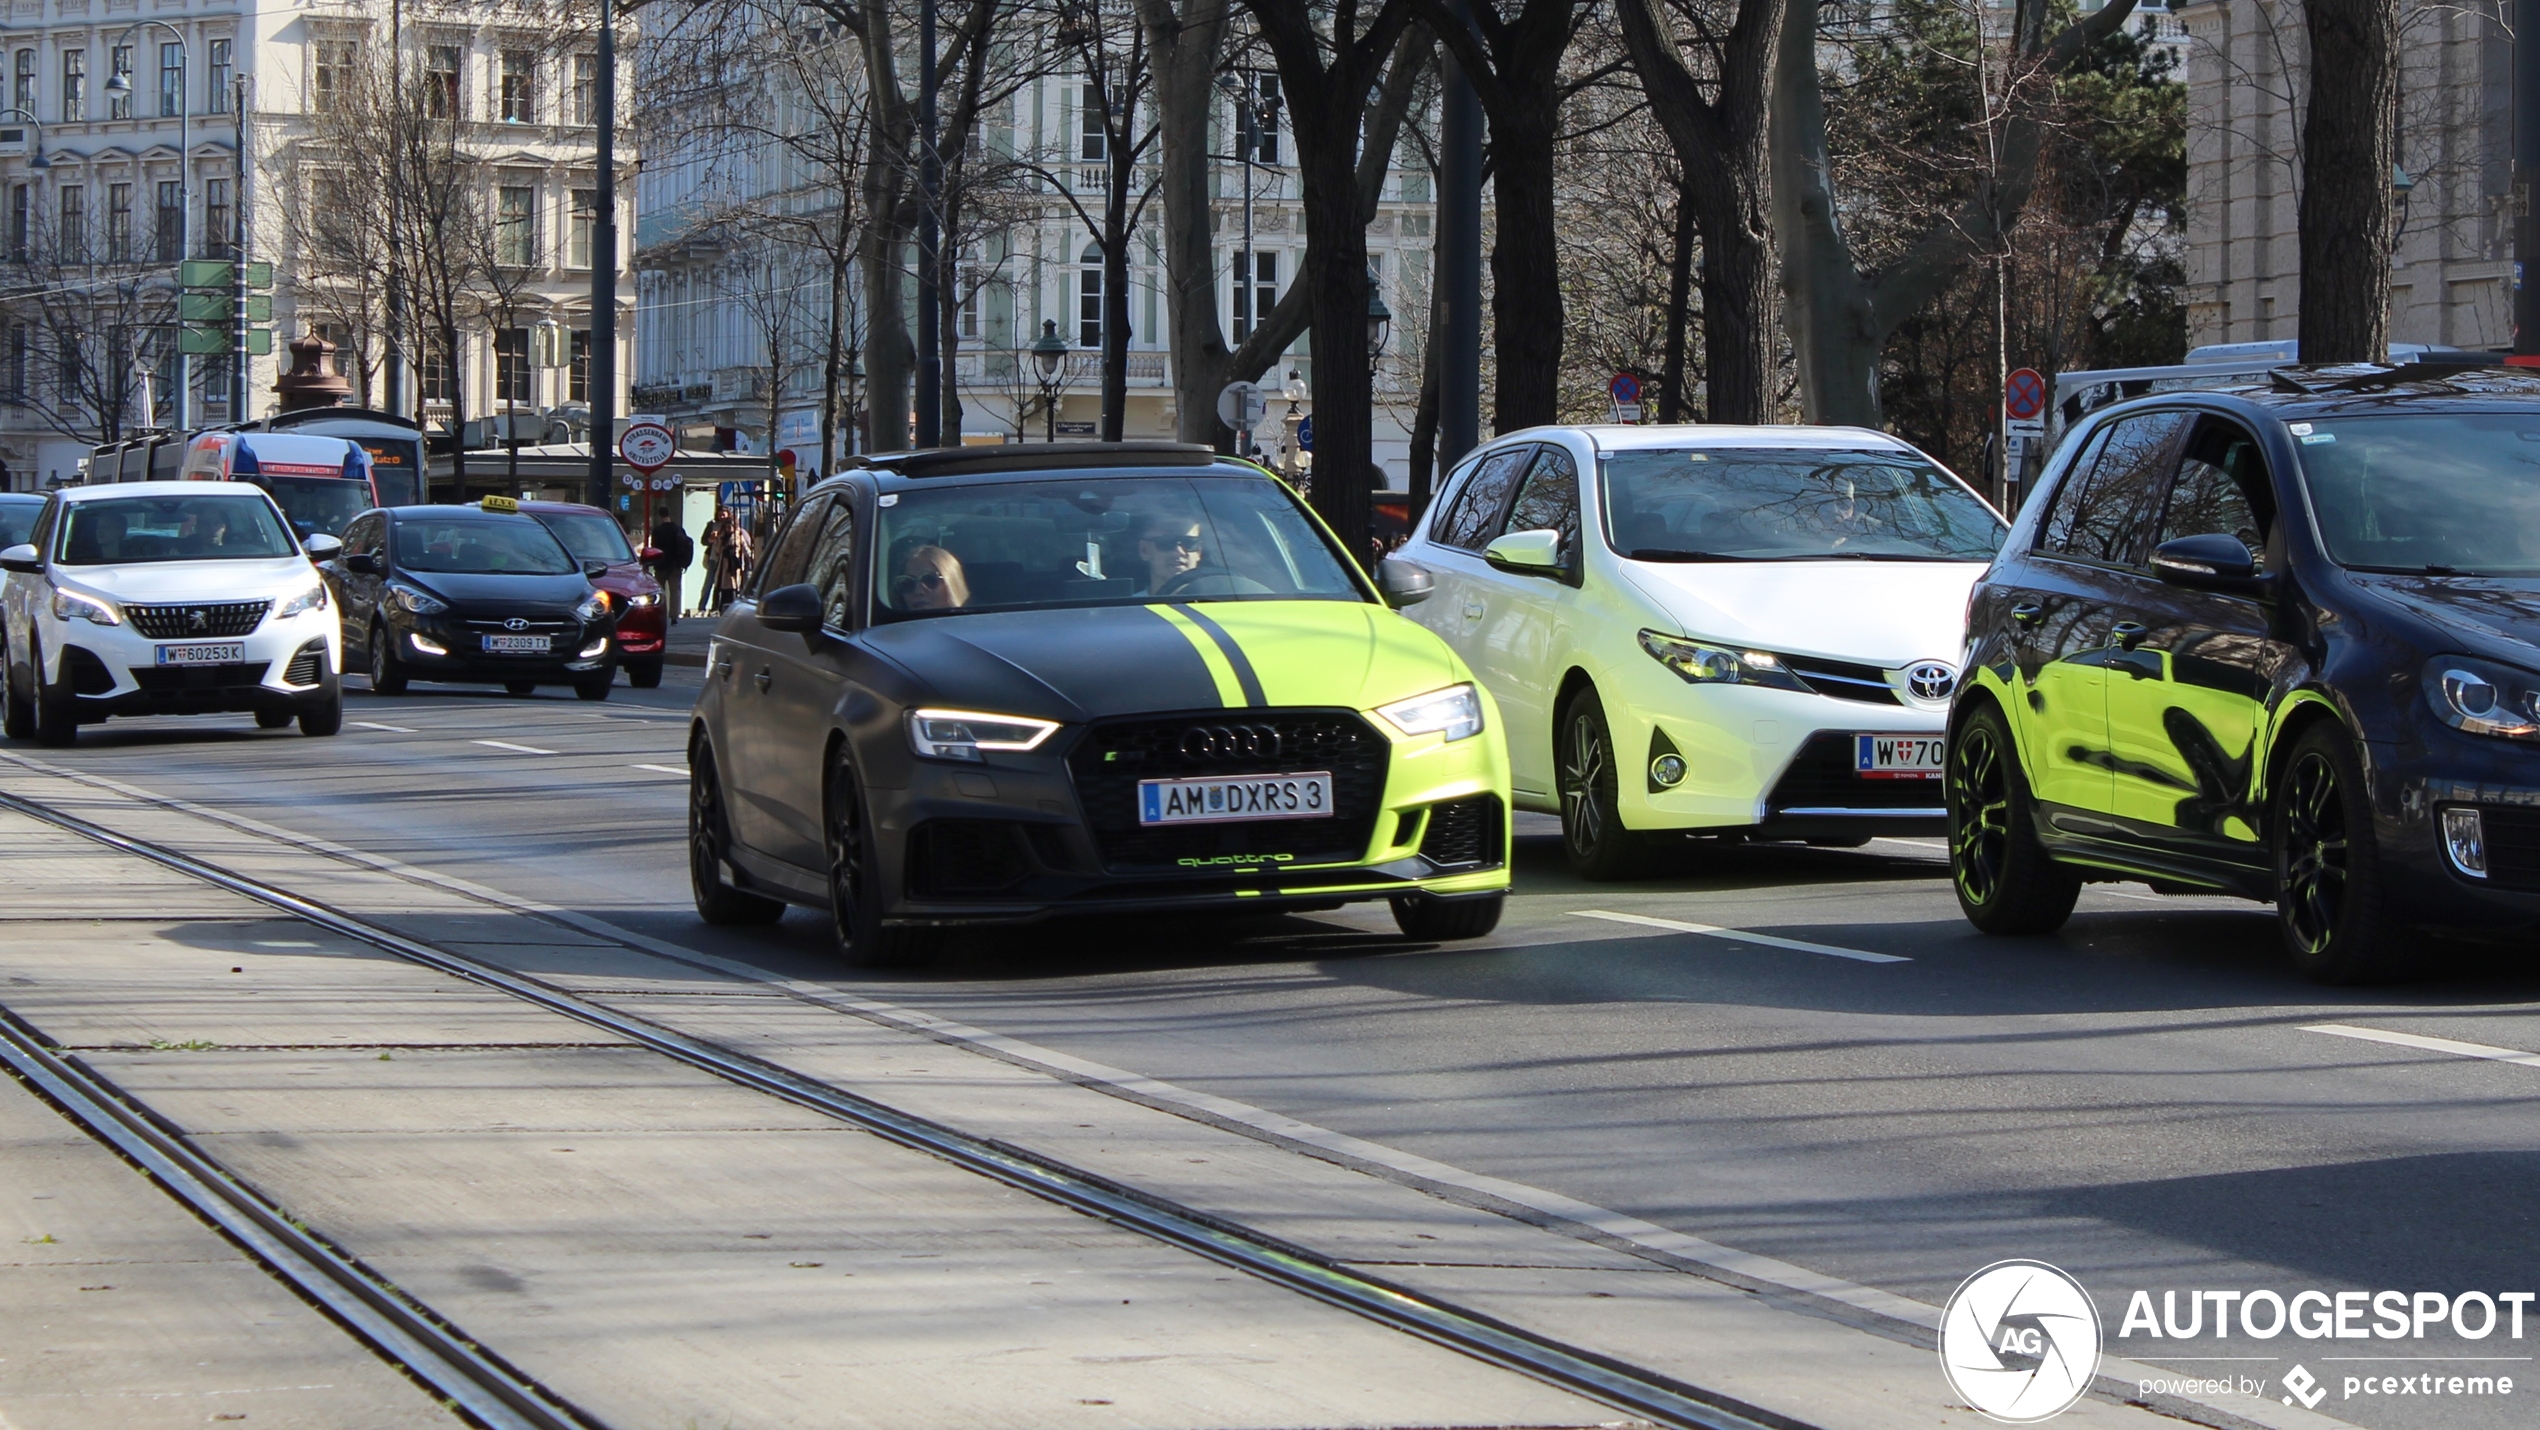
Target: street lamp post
(1249,127)
(1379,317)
(1049,354)
(120,82)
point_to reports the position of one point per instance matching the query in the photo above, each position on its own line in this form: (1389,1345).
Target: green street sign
(215,341)
(221,273)
(214,307)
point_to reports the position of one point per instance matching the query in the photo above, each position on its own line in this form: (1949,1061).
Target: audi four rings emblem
(1931,680)
(515,624)
(1226,742)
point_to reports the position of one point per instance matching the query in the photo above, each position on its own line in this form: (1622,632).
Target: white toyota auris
(167,598)
(1749,630)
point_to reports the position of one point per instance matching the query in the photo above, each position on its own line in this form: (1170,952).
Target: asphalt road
(2144,1099)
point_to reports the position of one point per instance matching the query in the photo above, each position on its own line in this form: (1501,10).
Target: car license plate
(519,645)
(1897,757)
(1226,799)
(230,653)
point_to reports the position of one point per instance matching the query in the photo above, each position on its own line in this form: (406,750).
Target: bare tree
(82,311)
(2349,145)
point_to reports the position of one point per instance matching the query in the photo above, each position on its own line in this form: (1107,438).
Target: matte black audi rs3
(2282,643)
(977,686)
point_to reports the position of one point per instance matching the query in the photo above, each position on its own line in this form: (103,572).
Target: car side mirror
(2213,562)
(320,546)
(794,609)
(649,553)
(22,558)
(360,563)
(1403,584)
(595,569)
(1527,553)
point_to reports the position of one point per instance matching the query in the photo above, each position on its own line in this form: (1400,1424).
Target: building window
(520,87)
(1261,138)
(171,81)
(74,86)
(22,89)
(170,229)
(586,213)
(119,105)
(335,62)
(74,223)
(15,377)
(1093,133)
(435,374)
(516,226)
(511,365)
(216,98)
(442,97)
(1256,292)
(68,362)
(577,382)
(21,205)
(119,223)
(218,218)
(969,291)
(586,89)
(1089,298)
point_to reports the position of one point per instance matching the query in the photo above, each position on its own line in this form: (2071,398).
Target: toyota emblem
(515,624)
(1932,680)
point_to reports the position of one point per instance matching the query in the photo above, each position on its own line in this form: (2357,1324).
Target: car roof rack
(1035,457)
(2365,377)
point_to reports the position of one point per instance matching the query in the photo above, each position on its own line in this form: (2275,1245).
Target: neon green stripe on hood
(1333,653)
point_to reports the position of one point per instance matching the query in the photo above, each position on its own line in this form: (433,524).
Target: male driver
(1168,546)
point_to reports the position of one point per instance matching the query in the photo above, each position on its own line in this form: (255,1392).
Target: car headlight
(2483,697)
(594,607)
(1698,664)
(72,606)
(638,603)
(312,599)
(421,603)
(1455,712)
(965,734)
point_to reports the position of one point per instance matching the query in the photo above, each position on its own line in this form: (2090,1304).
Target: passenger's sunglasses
(932,580)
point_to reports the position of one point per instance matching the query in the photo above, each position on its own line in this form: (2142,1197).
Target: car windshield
(1100,540)
(316,504)
(241,527)
(589,536)
(17,520)
(480,546)
(1791,504)
(2448,494)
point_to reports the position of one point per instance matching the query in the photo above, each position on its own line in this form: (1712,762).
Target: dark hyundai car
(2282,643)
(472,595)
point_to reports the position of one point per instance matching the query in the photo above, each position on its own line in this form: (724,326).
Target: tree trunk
(1115,306)
(832,357)
(2349,143)
(889,354)
(948,341)
(1343,409)
(458,411)
(1424,419)
(1672,403)
(1182,48)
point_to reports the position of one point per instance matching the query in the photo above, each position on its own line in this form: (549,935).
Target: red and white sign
(647,445)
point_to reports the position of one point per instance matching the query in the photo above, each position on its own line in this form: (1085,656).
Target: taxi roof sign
(493,503)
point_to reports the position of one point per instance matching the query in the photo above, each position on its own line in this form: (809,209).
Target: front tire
(18,723)
(273,719)
(855,897)
(56,716)
(2329,900)
(709,841)
(521,687)
(1593,838)
(1431,919)
(644,674)
(326,717)
(596,687)
(2006,882)
(387,673)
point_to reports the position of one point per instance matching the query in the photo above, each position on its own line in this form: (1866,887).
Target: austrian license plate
(519,645)
(1226,799)
(227,653)
(1897,757)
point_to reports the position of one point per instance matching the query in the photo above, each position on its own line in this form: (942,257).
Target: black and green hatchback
(2282,642)
(979,686)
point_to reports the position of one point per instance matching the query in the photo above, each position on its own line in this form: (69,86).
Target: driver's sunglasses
(932,580)
(1186,543)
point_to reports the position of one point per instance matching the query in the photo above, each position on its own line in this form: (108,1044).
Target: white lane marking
(2425,1044)
(375,725)
(1742,936)
(508,745)
(1277,1128)
(665,770)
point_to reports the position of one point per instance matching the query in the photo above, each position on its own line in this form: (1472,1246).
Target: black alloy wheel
(387,674)
(56,717)
(18,723)
(709,839)
(855,898)
(1593,838)
(2329,900)
(2006,881)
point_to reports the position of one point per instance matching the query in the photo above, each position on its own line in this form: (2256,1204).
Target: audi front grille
(1110,759)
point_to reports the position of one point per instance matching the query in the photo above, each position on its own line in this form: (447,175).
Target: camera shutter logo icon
(2020,1341)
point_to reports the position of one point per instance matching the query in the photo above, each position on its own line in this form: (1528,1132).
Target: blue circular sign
(1305,435)
(1625,388)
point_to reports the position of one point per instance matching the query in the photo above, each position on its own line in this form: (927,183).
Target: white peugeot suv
(166,598)
(1738,630)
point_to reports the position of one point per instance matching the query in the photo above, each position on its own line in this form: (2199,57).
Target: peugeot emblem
(515,624)
(1931,680)
(199,619)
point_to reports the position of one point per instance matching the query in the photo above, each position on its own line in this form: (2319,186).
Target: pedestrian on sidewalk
(673,552)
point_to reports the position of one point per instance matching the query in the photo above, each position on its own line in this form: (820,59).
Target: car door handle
(1473,610)
(763,680)
(2129,634)
(2028,613)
